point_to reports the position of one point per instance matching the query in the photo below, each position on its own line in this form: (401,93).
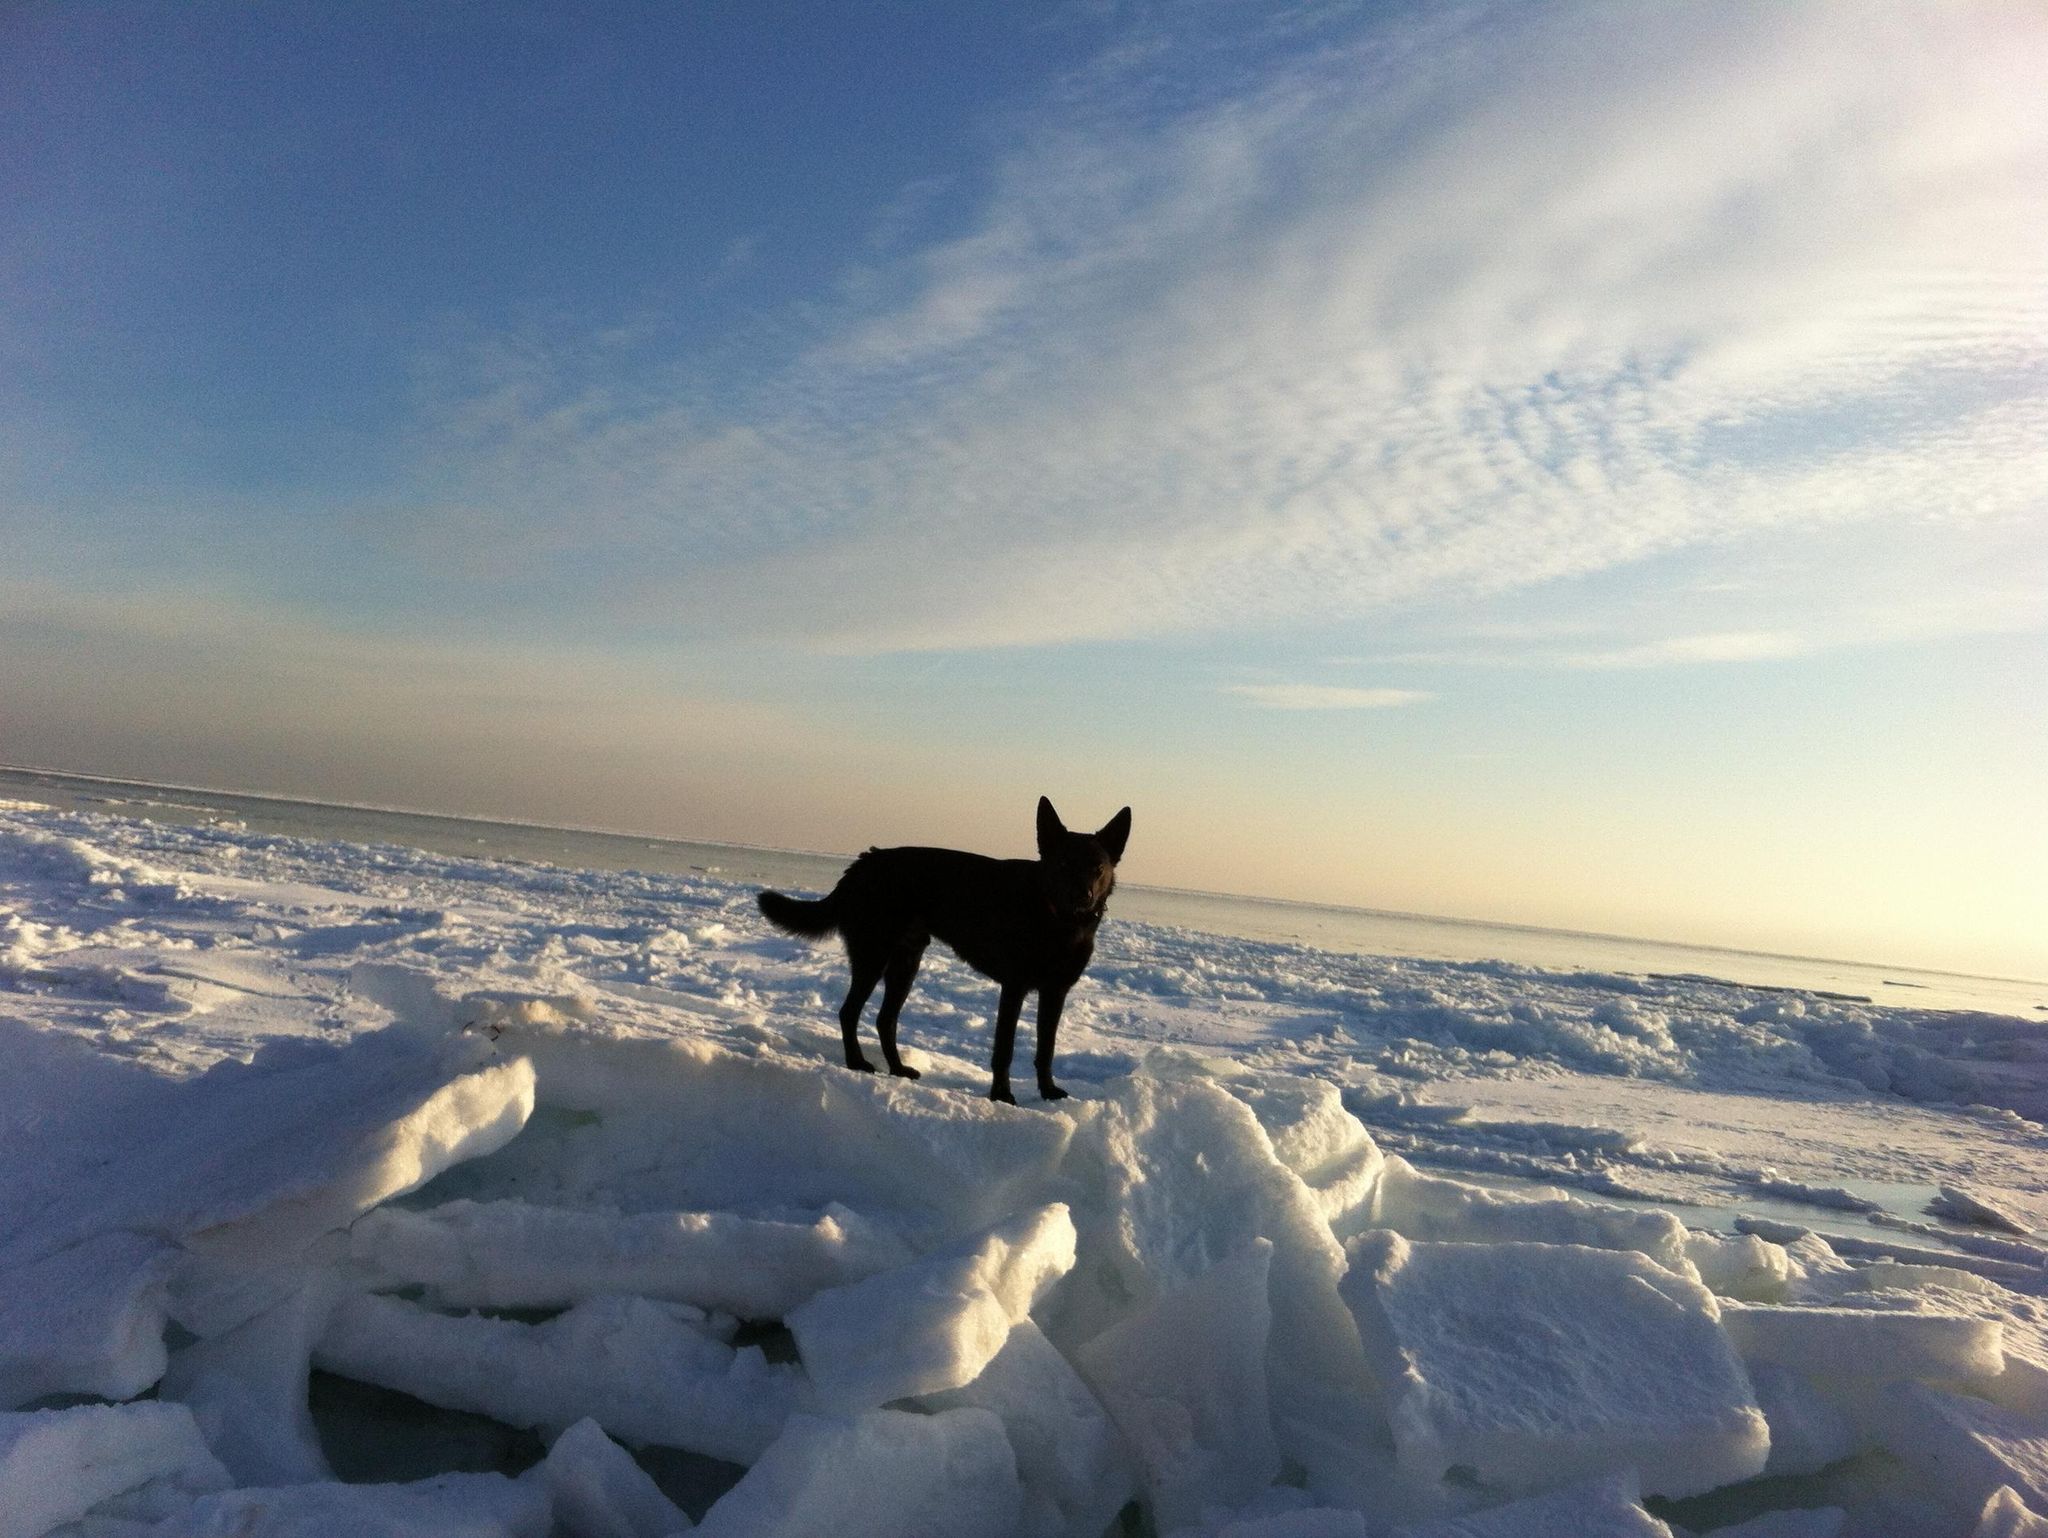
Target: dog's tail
(812,920)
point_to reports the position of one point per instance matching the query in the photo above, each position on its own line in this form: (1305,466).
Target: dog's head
(1078,870)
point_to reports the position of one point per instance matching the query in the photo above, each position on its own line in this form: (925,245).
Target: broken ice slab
(879,1474)
(1532,1364)
(598,1490)
(56,1465)
(645,1371)
(86,1320)
(1422,1206)
(1181,1177)
(1967,1449)
(247,1389)
(514,1254)
(935,1323)
(1828,1343)
(1069,1457)
(1185,1381)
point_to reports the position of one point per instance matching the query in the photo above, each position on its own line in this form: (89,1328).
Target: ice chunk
(1742,1266)
(88,1319)
(464,1118)
(1808,1432)
(1966,1448)
(879,1474)
(1530,1364)
(645,1371)
(1437,1207)
(1601,1508)
(1969,1207)
(598,1490)
(512,1254)
(933,1324)
(247,1390)
(1072,1466)
(1184,1379)
(2005,1515)
(447,1506)
(56,1465)
(1824,1343)
(1317,1137)
(1186,1179)
(2022,1386)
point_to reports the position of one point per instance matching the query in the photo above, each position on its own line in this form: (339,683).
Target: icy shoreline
(566,1150)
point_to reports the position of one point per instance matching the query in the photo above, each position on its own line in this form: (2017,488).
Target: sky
(1575,464)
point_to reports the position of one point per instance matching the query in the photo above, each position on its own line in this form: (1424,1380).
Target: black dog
(1029,924)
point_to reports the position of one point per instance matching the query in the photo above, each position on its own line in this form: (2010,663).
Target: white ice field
(354,1190)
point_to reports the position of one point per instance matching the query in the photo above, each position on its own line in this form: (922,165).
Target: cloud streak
(1409,315)
(1324,696)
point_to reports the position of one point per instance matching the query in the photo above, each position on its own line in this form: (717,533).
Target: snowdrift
(725,1285)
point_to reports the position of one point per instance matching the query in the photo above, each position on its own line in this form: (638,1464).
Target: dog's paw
(905,1071)
(1002,1094)
(1051,1092)
(860,1065)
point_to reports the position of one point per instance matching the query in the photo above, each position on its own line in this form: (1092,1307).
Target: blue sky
(1566,463)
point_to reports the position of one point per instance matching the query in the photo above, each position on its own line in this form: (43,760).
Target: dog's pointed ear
(1115,834)
(1050,828)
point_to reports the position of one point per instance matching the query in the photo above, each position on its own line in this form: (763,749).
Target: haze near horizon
(1569,464)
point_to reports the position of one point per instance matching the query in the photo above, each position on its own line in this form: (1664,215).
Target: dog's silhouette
(1029,924)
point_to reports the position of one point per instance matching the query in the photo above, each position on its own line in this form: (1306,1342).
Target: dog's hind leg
(1050,1003)
(1008,1008)
(867,971)
(896,980)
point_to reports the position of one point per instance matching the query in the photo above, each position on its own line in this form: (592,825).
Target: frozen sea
(1360,930)
(371,1174)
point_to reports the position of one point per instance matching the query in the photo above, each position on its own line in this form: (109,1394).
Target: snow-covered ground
(357,1190)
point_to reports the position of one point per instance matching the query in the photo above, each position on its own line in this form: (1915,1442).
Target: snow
(1322,1245)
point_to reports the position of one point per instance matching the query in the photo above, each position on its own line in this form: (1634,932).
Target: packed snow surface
(357,1190)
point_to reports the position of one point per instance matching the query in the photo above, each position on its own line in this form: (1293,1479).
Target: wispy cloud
(1324,696)
(1404,316)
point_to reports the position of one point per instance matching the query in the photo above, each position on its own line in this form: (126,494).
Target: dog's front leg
(1008,1008)
(1050,1003)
